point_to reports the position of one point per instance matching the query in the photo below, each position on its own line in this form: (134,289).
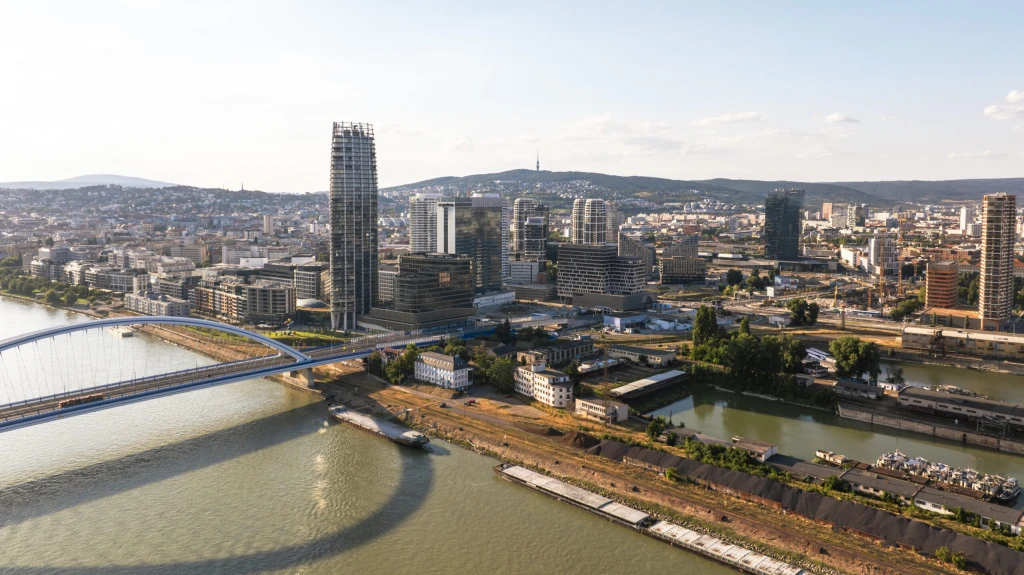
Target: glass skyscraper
(783,211)
(473,227)
(353,205)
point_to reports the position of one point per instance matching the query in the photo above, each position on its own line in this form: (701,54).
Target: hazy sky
(214,94)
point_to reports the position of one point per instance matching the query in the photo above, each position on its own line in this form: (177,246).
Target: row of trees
(803,313)
(13,280)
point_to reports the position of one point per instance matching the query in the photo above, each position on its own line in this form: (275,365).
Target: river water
(251,477)
(800,431)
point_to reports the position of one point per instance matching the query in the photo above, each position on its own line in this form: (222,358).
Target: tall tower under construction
(353,205)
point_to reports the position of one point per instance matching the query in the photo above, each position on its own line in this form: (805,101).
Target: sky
(219,94)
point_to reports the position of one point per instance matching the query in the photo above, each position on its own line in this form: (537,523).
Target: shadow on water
(108,478)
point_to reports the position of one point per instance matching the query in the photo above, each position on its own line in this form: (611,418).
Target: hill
(85,182)
(951,190)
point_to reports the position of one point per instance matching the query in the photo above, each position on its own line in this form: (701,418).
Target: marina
(993,487)
(676,535)
(382,428)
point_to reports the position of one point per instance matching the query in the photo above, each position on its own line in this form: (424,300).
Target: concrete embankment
(906,422)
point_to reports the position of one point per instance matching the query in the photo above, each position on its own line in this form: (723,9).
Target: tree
(855,357)
(813,309)
(895,375)
(798,311)
(641,359)
(51,296)
(834,483)
(504,331)
(733,277)
(745,325)
(502,375)
(575,378)
(70,298)
(375,364)
(656,427)
(705,325)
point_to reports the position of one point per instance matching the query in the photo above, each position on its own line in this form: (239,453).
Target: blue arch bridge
(259,356)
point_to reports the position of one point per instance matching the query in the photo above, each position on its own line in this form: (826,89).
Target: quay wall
(931,429)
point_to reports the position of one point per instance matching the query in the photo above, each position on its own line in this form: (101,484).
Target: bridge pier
(308,373)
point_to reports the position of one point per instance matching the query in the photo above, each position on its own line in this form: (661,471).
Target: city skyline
(801,92)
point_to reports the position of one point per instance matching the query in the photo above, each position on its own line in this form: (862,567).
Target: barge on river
(676,535)
(382,428)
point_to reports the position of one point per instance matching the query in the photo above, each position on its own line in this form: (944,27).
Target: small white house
(447,371)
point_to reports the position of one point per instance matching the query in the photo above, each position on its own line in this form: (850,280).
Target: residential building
(967,214)
(57,254)
(198,253)
(998,234)
(941,288)
(179,287)
(472,227)
(604,410)
(682,270)
(589,222)
(632,245)
(882,251)
(423,222)
(153,303)
(783,211)
(268,225)
(353,207)
(449,372)
(547,386)
(231,298)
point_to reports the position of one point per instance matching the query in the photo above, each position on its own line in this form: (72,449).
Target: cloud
(1013,108)
(1018,128)
(986,155)
(838,118)
(460,143)
(740,118)
(888,118)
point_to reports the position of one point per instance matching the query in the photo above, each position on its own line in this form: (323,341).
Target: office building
(353,206)
(589,222)
(472,227)
(429,291)
(998,233)
(423,222)
(386,284)
(783,210)
(596,276)
(529,229)
(633,245)
(941,287)
(682,269)
(268,225)
(312,281)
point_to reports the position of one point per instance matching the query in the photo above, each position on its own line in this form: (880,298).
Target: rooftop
(978,403)
(982,508)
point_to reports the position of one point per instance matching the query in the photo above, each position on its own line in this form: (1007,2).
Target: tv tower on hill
(538,160)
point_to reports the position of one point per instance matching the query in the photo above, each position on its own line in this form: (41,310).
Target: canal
(252,477)
(800,431)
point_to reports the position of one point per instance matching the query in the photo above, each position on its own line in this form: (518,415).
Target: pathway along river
(801,431)
(251,477)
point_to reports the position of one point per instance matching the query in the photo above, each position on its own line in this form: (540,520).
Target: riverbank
(788,538)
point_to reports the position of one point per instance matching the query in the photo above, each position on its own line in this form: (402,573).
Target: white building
(547,386)
(447,371)
(604,410)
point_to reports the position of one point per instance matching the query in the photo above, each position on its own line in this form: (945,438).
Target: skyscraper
(353,206)
(783,210)
(527,210)
(589,222)
(423,222)
(995,296)
(472,227)
(967,214)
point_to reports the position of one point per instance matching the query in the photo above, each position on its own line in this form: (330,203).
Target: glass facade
(783,212)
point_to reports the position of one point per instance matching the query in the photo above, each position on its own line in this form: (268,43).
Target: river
(252,477)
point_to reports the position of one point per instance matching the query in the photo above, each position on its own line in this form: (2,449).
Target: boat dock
(380,427)
(676,535)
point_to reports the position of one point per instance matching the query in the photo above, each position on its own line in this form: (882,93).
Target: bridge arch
(14,342)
